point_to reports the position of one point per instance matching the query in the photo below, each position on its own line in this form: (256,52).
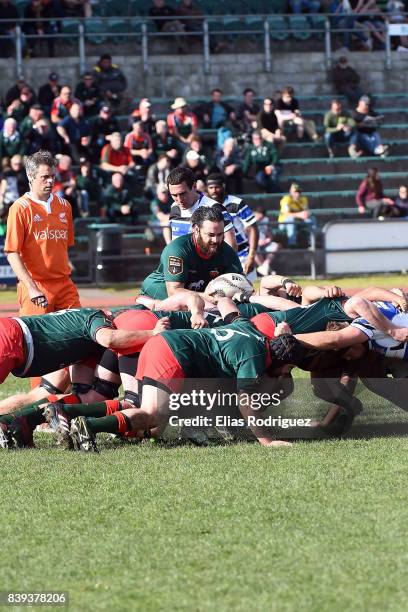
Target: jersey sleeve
(16,230)
(249,372)
(246,215)
(233,262)
(363,326)
(228,224)
(175,264)
(71,238)
(97,321)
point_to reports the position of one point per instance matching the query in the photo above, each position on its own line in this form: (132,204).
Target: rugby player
(193,260)
(187,200)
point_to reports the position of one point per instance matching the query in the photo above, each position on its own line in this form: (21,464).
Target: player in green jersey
(193,260)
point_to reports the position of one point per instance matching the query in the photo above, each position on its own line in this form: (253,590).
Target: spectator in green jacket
(340,127)
(261,162)
(118,205)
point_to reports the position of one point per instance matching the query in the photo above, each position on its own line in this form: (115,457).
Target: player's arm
(313,293)
(333,340)
(253,239)
(261,433)
(229,238)
(273,302)
(383,295)
(227,309)
(124,339)
(274,283)
(357,307)
(37,297)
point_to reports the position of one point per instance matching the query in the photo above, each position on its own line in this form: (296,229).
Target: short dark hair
(105,56)
(216,89)
(247,90)
(207,213)
(216,178)
(179,175)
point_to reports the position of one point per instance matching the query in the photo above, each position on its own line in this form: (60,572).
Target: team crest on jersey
(63,217)
(213,274)
(37,218)
(175,265)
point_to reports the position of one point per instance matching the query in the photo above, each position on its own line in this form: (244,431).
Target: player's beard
(207,249)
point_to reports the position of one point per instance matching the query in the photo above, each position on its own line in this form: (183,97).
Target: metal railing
(141,30)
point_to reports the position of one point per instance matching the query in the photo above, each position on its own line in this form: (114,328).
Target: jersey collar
(46,204)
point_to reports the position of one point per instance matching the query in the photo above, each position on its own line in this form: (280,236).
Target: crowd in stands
(108,161)
(361,24)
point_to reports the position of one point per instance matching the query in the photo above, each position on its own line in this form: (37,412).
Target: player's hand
(38,299)
(333,292)
(161,325)
(400,334)
(293,289)
(198,321)
(249,265)
(282,328)
(400,299)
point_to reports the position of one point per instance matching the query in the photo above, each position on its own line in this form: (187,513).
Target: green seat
(95,31)
(69,27)
(318,23)
(21,5)
(300,27)
(119,30)
(116,8)
(137,8)
(278,27)
(278,6)
(255,25)
(136,25)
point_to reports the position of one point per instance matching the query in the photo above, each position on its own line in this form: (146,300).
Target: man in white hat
(182,123)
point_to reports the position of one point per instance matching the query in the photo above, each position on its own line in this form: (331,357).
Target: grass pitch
(319,526)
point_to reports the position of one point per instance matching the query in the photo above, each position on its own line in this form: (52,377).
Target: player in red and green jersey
(192,261)
(36,345)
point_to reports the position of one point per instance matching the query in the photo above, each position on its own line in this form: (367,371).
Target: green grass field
(315,527)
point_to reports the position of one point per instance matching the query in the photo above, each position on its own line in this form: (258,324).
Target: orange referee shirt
(41,232)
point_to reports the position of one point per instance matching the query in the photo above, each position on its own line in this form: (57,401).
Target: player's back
(61,338)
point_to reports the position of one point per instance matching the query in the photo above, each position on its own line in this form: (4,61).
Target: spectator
(41,138)
(115,157)
(8,21)
(164,142)
(346,80)
(246,230)
(261,162)
(196,145)
(64,185)
(102,127)
(13,183)
(267,247)
(13,93)
(340,128)
(160,208)
(110,79)
(181,123)
(77,8)
(217,113)
(35,113)
(62,103)
(401,201)
(367,123)
(305,6)
(140,146)
(288,113)
(157,174)
(370,195)
(11,142)
(87,187)
(39,21)
(118,205)
(248,110)
(347,21)
(267,123)
(87,92)
(75,131)
(48,92)
(294,212)
(228,161)
(159,10)
(194,163)
(144,114)
(187,11)
(18,109)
